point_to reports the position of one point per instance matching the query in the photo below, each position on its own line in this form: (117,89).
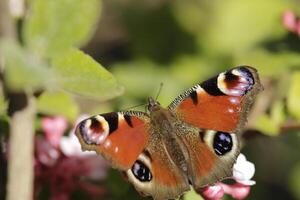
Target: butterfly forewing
(220,103)
(119,136)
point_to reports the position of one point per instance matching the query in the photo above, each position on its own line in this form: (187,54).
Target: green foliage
(80,74)
(293,102)
(192,195)
(156,34)
(54,26)
(239,25)
(24,71)
(58,104)
(49,60)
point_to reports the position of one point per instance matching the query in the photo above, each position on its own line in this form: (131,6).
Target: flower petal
(214,192)
(54,128)
(243,171)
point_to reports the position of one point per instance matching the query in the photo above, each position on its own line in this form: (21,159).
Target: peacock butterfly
(195,141)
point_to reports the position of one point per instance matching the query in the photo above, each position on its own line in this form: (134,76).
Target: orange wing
(220,103)
(119,136)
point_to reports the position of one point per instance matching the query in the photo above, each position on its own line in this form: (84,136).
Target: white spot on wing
(230,110)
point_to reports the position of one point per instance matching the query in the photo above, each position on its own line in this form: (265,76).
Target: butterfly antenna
(159,90)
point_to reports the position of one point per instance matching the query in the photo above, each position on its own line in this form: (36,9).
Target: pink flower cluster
(60,164)
(243,171)
(291,22)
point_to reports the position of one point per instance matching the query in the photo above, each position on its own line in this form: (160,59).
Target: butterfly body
(194,141)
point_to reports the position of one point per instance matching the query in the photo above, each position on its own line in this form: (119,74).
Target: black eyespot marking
(141,171)
(96,126)
(211,87)
(112,120)
(128,120)
(230,77)
(222,143)
(194,97)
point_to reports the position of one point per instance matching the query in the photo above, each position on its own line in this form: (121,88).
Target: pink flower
(243,171)
(214,192)
(237,190)
(45,153)
(60,164)
(291,22)
(65,177)
(54,128)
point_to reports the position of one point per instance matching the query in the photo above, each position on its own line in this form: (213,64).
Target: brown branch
(289,126)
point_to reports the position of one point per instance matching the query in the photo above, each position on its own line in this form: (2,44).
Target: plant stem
(20,165)
(22,109)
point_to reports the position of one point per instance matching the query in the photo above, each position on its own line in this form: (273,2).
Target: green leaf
(192,195)
(293,100)
(55,25)
(24,71)
(80,74)
(58,103)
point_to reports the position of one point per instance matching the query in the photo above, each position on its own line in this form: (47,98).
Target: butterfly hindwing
(119,136)
(220,103)
(211,155)
(166,180)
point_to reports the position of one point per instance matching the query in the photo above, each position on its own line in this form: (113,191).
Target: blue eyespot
(222,143)
(141,171)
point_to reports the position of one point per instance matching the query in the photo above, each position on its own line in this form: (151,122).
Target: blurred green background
(178,43)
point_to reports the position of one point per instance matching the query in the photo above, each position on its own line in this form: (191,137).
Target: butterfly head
(153,105)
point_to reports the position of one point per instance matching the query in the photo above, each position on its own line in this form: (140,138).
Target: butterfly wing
(212,113)
(211,155)
(119,136)
(155,173)
(128,140)
(220,103)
